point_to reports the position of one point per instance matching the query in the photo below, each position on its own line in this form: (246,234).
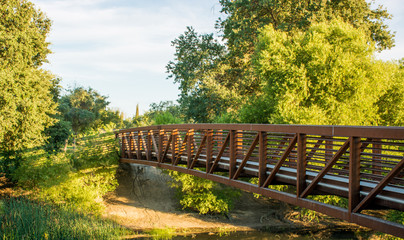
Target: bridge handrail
(392,132)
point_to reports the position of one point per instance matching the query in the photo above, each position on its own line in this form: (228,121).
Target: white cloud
(121,47)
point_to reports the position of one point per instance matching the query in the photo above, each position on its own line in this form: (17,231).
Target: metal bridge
(361,164)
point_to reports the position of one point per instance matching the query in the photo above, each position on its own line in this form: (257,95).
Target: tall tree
(212,87)
(324,75)
(245,17)
(196,61)
(26,102)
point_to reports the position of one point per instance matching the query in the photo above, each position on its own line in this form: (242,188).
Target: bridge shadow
(144,200)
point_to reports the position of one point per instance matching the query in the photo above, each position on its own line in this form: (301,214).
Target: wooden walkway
(362,164)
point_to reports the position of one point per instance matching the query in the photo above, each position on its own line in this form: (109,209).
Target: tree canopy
(84,108)
(232,84)
(324,75)
(25,89)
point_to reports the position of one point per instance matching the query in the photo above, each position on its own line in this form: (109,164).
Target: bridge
(361,164)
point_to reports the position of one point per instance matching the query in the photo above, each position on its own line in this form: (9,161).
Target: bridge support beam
(354,173)
(301,164)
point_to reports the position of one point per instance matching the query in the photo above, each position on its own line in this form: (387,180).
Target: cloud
(106,44)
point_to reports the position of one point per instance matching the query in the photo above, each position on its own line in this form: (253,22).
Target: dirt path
(143,201)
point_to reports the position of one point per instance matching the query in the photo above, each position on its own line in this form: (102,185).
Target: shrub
(201,195)
(82,190)
(96,150)
(39,169)
(78,180)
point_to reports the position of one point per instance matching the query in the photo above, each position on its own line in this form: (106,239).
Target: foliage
(395,216)
(162,233)
(25,89)
(326,75)
(164,112)
(82,190)
(24,219)
(245,18)
(202,195)
(96,149)
(165,118)
(83,108)
(281,188)
(79,180)
(195,58)
(38,168)
(163,106)
(391,103)
(217,77)
(310,215)
(58,134)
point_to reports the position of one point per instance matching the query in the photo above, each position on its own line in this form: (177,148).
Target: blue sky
(121,47)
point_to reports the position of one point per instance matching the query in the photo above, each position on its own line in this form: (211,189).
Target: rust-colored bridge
(362,164)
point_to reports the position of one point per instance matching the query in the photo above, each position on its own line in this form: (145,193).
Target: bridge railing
(362,164)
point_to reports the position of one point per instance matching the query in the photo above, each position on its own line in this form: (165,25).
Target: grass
(162,233)
(24,219)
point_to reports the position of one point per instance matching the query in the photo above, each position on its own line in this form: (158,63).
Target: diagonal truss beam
(280,162)
(372,194)
(183,145)
(166,148)
(199,151)
(246,157)
(327,167)
(221,151)
(156,149)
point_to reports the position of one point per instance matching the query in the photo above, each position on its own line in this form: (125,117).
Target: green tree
(137,111)
(84,108)
(164,112)
(325,75)
(245,17)
(26,104)
(195,61)
(218,82)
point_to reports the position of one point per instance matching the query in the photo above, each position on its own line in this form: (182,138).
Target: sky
(121,47)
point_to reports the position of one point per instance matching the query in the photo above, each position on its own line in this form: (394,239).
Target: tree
(195,61)
(325,75)
(218,82)
(164,112)
(84,108)
(244,19)
(137,111)
(26,102)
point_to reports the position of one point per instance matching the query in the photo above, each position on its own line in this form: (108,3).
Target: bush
(82,190)
(201,195)
(96,150)
(40,169)
(78,180)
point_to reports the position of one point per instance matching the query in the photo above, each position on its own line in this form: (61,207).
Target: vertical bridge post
(301,164)
(354,173)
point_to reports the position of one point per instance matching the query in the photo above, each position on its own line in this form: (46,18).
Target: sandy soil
(144,201)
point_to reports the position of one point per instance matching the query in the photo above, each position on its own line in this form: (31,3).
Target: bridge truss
(361,164)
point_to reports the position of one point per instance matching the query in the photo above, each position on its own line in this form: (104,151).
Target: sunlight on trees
(325,75)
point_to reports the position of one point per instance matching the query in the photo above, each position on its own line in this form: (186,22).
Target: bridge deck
(362,164)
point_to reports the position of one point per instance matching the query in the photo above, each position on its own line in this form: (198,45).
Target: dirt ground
(143,201)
